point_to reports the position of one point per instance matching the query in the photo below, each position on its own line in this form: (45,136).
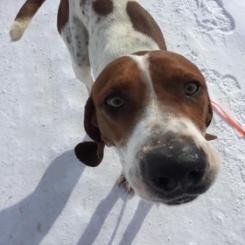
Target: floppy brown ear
(210,137)
(90,121)
(91,152)
(209,118)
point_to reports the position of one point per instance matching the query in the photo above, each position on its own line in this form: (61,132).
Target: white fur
(143,64)
(111,37)
(79,55)
(18,28)
(156,121)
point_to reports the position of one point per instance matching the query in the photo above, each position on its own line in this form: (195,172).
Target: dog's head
(154,108)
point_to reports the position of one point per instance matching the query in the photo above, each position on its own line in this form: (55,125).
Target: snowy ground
(48,197)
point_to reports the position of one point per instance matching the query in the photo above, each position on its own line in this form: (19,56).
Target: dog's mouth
(181,200)
(153,196)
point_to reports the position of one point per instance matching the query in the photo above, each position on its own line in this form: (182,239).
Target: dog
(150,104)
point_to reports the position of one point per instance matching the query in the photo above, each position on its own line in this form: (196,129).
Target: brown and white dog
(152,105)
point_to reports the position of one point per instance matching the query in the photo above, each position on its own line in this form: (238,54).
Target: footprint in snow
(226,90)
(211,15)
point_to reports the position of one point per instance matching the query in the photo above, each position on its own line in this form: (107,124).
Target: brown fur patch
(141,53)
(29,8)
(143,22)
(124,78)
(103,7)
(170,72)
(63,14)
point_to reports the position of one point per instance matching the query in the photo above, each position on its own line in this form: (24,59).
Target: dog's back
(115,28)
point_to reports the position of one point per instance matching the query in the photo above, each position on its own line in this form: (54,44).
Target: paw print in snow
(226,90)
(212,16)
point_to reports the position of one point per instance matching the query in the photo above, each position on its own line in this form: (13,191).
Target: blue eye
(115,102)
(191,88)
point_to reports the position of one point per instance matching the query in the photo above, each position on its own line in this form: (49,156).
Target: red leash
(228,118)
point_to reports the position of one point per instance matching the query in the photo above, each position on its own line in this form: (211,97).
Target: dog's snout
(180,168)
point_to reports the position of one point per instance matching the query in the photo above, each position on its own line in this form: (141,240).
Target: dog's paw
(123,183)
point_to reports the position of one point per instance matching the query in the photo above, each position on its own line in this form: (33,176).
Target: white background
(48,197)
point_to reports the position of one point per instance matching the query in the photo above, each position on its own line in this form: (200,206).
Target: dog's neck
(113,37)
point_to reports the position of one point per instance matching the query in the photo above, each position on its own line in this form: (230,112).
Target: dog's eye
(114,101)
(191,88)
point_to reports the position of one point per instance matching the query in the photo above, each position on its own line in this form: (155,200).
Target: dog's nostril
(195,176)
(165,183)
(173,172)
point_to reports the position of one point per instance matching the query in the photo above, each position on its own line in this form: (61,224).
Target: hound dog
(150,104)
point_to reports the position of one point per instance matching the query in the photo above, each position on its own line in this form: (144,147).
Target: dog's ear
(210,137)
(209,115)
(209,118)
(91,152)
(90,121)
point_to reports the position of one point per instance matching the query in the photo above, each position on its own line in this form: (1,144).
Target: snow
(48,197)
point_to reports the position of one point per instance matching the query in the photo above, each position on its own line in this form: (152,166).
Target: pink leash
(229,119)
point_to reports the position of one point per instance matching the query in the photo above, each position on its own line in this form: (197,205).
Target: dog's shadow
(103,211)
(27,222)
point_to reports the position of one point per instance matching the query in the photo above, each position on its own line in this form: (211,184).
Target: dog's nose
(179,167)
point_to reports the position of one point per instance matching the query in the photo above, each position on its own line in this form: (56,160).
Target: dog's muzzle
(176,170)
